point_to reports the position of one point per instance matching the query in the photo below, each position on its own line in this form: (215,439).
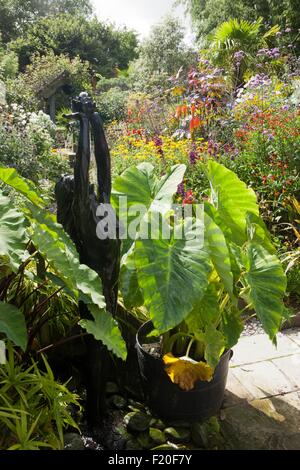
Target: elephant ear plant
(198,293)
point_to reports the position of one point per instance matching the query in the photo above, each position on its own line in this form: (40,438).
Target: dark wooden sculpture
(77,205)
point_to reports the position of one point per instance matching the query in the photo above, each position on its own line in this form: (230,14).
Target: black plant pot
(167,399)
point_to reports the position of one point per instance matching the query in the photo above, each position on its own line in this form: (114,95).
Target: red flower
(195,122)
(189,198)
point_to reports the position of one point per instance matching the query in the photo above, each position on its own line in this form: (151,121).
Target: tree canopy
(206,15)
(17,15)
(104,46)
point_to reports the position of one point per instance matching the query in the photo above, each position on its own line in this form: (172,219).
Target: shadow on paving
(268,423)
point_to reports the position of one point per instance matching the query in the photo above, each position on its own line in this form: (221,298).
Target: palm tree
(237,42)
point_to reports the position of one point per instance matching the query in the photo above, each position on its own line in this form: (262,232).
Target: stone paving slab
(261,409)
(251,349)
(290,367)
(293,334)
(263,379)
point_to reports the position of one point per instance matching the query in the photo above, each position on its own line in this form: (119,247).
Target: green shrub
(34,407)
(112,104)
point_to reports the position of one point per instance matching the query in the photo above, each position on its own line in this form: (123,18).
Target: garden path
(262,403)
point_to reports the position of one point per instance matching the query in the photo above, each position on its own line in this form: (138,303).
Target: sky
(138,14)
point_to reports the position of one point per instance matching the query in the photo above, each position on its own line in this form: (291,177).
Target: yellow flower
(185,372)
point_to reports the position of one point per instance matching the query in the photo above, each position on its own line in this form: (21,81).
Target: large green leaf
(65,261)
(12,233)
(219,252)
(12,323)
(144,191)
(55,245)
(172,273)
(214,343)
(267,283)
(23,186)
(105,329)
(232,327)
(232,199)
(131,292)
(258,232)
(205,311)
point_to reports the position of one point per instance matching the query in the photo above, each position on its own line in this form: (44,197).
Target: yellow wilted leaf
(185,372)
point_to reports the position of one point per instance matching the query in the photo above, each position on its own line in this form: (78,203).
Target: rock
(73,441)
(179,424)
(145,440)
(116,436)
(137,421)
(206,435)
(199,435)
(136,404)
(168,446)
(133,444)
(111,388)
(158,437)
(118,402)
(157,423)
(178,435)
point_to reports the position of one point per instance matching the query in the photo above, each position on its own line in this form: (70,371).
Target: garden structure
(48,91)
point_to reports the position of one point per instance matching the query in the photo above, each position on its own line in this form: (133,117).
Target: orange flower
(178,112)
(193,109)
(184,109)
(194,123)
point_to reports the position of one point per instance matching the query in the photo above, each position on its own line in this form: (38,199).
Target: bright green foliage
(98,43)
(206,15)
(142,188)
(10,177)
(232,327)
(55,246)
(132,294)
(12,233)
(219,252)
(16,16)
(214,344)
(191,289)
(233,201)
(12,323)
(160,55)
(168,267)
(267,282)
(105,329)
(34,408)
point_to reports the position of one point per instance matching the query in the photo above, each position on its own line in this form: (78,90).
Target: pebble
(111,388)
(118,402)
(132,444)
(73,441)
(178,435)
(137,421)
(158,437)
(157,423)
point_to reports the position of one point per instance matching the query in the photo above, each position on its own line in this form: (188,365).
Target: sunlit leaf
(105,329)
(12,323)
